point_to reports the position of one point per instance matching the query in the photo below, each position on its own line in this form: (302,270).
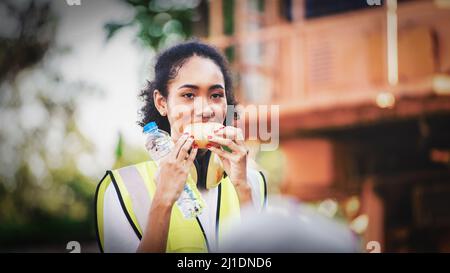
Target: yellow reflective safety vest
(135,187)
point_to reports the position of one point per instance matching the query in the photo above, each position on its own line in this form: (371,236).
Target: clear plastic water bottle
(159,144)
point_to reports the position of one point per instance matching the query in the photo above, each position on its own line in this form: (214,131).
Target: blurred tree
(44,198)
(43,195)
(161,22)
(26,33)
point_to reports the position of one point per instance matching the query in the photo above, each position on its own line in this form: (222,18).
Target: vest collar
(207,171)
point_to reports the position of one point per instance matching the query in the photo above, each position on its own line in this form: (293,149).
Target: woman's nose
(203,109)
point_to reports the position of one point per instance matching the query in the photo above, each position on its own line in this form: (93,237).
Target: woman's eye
(188,95)
(216,96)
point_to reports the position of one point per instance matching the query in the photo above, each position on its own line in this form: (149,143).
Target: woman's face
(197,94)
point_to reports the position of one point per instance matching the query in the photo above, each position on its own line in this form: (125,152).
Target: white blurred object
(288,226)
(328,208)
(360,223)
(385,100)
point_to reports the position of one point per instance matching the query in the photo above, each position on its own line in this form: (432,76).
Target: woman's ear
(160,102)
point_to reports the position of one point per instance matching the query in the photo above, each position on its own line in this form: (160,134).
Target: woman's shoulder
(130,179)
(145,170)
(149,164)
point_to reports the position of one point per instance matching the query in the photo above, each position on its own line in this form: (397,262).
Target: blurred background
(363,88)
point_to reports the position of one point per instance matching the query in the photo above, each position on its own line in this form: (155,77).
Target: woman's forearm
(154,238)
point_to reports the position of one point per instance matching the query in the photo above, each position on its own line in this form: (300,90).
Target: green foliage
(24,48)
(273,163)
(43,195)
(161,22)
(128,154)
(228,10)
(119,147)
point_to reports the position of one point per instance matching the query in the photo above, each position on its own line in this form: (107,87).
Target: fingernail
(209,137)
(208,146)
(195,146)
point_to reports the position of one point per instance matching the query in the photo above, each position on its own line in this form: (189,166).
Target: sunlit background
(362,86)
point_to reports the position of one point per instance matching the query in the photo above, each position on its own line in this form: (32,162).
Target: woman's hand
(235,160)
(174,169)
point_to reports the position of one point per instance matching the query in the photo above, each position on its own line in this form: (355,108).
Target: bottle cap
(150,127)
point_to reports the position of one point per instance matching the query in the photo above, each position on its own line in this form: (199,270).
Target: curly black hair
(166,68)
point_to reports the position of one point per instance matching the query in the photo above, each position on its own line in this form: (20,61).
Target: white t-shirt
(119,236)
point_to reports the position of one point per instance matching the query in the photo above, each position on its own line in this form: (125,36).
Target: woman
(135,205)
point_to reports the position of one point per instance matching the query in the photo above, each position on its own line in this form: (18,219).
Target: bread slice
(201,131)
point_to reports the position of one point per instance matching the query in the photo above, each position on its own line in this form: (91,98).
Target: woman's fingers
(221,153)
(181,140)
(183,153)
(232,133)
(191,156)
(226,142)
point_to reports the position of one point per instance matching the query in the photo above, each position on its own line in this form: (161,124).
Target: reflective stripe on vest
(135,187)
(99,200)
(262,189)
